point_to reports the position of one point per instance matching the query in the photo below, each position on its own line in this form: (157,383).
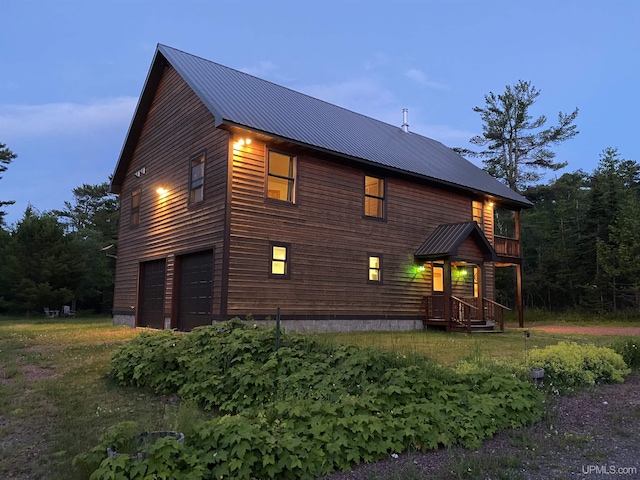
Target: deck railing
(494,311)
(506,247)
(464,311)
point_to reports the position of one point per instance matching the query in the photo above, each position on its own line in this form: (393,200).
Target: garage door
(151,301)
(195,290)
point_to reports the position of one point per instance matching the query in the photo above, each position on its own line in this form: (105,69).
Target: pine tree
(517,148)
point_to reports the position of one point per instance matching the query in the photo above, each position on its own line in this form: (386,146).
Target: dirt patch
(31,373)
(586,330)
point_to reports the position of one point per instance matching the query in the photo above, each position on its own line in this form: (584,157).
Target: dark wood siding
(330,240)
(469,251)
(177,126)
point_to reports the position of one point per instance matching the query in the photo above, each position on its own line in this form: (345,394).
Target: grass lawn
(449,348)
(55,399)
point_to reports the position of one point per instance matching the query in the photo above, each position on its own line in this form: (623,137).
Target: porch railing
(464,311)
(495,311)
(506,247)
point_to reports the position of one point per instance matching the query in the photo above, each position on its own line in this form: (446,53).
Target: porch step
(477,326)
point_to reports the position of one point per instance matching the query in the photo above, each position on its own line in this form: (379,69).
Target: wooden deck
(466,316)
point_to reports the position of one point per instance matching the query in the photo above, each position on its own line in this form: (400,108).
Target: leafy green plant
(310,407)
(569,367)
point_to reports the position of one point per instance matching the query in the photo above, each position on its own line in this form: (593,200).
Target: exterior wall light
(241,143)
(162,191)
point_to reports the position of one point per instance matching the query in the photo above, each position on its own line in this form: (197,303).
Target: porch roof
(446,239)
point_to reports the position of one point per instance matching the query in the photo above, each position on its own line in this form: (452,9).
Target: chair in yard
(48,313)
(67,312)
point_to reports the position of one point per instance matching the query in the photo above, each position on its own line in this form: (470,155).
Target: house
(239,196)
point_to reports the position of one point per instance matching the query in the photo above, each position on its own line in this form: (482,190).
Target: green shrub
(308,408)
(569,367)
(628,349)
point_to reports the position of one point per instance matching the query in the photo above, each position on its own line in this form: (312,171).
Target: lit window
(476,208)
(196,176)
(476,283)
(281,177)
(438,278)
(375,268)
(373,197)
(135,207)
(279,260)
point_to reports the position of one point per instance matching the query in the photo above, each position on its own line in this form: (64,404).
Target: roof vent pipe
(405,120)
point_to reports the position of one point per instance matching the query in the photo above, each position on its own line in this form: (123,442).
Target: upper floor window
(196,179)
(135,207)
(373,197)
(279,260)
(476,208)
(375,268)
(281,176)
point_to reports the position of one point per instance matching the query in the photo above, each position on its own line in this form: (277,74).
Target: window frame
(378,269)
(292,180)
(134,217)
(474,210)
(434,267)
(382,199)
(198,184)
(286,261)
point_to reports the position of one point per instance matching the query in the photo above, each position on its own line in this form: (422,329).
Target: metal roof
(236,98)
(445,240)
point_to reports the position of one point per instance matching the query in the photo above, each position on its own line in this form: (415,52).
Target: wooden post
(447,293)
(482,290)
(519,271)
(519,295)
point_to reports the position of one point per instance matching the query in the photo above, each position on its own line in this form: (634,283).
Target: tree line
(580,242)
(54,258)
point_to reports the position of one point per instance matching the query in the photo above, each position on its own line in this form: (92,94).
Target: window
(438,277)
(135,207)
(373,197)
(476,283)
(375,268)
(279,260)
(281,177)
(476,208)
(196,179)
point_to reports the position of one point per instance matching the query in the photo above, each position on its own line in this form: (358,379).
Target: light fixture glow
(241,142)
(161,191)
(490,204)
(421,268)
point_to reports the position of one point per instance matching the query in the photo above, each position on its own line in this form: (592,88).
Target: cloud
(359,95)
(420,77)
(65,118)
(378,60)
(262,69)
(443,133)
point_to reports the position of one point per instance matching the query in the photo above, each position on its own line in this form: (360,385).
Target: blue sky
(72,71)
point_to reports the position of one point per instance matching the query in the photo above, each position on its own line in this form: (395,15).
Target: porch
(463,314)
